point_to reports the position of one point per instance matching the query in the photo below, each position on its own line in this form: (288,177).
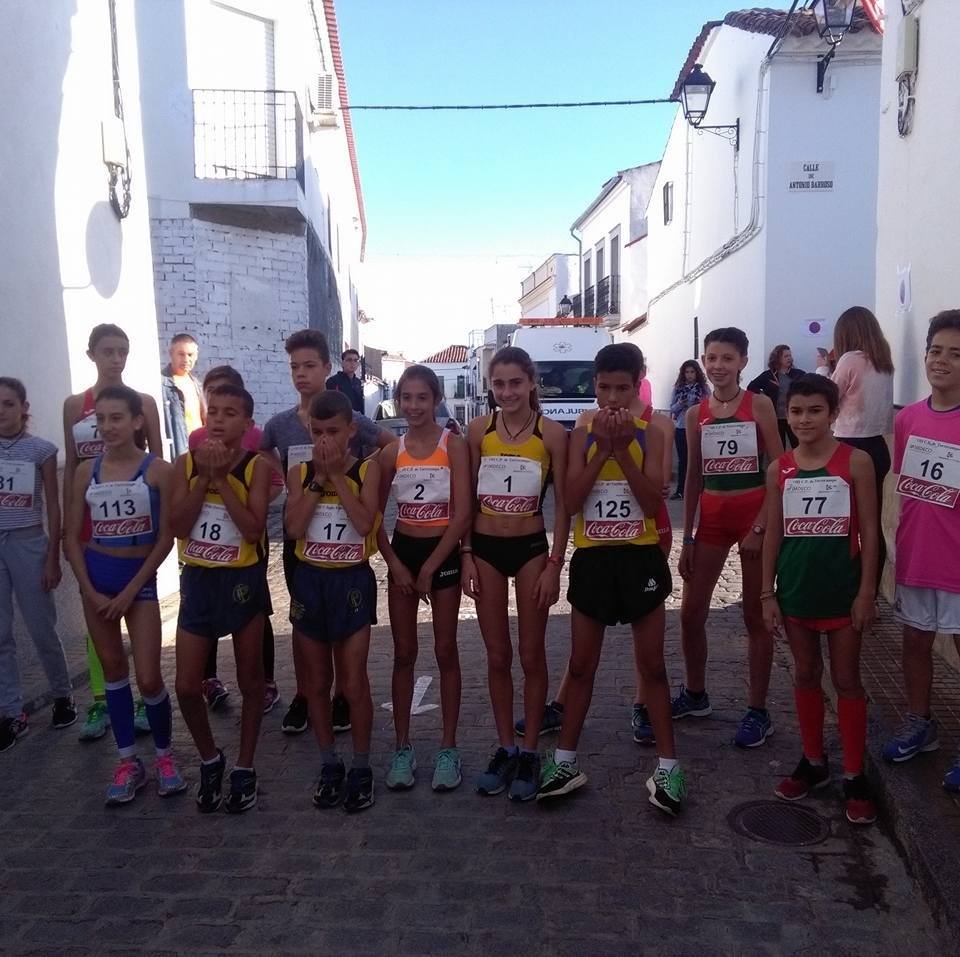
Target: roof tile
(450,354)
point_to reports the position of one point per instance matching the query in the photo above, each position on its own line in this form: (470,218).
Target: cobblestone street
(421,873)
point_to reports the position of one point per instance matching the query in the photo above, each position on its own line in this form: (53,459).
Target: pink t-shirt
(928,536)
(645,391)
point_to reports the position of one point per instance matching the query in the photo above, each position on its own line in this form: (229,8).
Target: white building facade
(611,232)
(918,206)
(452,368)
(256,210)
(541,291)
(777,237)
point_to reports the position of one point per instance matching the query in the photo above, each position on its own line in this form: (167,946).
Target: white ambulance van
(563,350)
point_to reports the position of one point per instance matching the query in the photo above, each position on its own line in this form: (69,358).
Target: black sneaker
(64,712)
(526,782)
(359,793)
(243,791)
(341,714)
(10,730)
(329,790)
(209,791)
(499,774)
(295,720)
(551,721)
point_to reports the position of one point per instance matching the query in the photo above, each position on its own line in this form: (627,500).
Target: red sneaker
(806,778)
(858,805)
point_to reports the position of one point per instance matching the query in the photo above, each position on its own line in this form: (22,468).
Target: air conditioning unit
(322,113)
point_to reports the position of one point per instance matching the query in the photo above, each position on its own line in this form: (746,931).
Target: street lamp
(695,96)
(566,307)
(834,18)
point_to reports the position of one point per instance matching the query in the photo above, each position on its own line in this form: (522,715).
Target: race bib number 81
(815,507)
(612,513)
(729,448)
(16,484)
(930,471)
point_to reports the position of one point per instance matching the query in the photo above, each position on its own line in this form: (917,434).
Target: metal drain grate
(773,822)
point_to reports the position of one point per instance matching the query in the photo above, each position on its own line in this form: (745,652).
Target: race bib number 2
(729,448)
(509,484)
(815,507)
(16,484)
(612,513)
(423,493)
(930,471)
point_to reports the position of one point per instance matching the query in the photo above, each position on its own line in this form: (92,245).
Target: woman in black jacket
(774,383)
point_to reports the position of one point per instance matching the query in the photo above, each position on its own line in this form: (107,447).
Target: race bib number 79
(930,471)
(729,448)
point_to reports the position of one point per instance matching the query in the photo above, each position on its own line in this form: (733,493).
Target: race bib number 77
(816,506)
(930,471)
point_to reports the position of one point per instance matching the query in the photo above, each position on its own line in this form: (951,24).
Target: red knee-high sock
(810,716)
(852,718)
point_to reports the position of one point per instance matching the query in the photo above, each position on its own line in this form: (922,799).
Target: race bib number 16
(930,471)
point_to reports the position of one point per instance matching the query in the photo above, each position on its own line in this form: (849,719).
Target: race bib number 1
(16,484)
(930,471)
(612,513)
(818,506)
(509,484)
(214,536)
(729,448)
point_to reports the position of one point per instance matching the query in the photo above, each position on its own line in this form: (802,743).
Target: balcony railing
(247,134)
(588,303)
(577,301)
(603,296)
(614,303)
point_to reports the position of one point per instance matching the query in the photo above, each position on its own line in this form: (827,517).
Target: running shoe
(169,779)
(526,782)
(687,704)
(295,720)
(340,713)
(858,805)
(64,712)
(141,723)
(914,735)
(806,777)
(243,791)
(551,721)
(270,696)
(951,780)
(96,723)
(210,789)
(668,789)
(358,795)
(10,730)
(329,790)
(129,776)
(215,692)
(447,770)
(640,725)
(500,772)
(754,729)
(559,778)
(400,776)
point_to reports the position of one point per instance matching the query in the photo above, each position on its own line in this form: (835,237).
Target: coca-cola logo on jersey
(121,527)
(16,500)
(510,504)
(333,551)
(816,526)
(89,448)
(212,552)
(928,491)
(727,466)
(612,530)
(423,511)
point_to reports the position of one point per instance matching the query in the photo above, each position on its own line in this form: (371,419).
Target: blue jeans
(23,552)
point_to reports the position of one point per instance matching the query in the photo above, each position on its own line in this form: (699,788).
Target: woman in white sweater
(864,376)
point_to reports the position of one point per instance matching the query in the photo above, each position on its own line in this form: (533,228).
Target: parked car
(387,415)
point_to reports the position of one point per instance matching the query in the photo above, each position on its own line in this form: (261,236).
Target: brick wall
(240,292)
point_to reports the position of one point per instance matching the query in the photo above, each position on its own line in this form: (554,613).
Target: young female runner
(728,435)
(108,347)
(124,496)
(513,453)
(430,473)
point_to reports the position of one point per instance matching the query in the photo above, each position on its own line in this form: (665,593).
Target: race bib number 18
(818,506)
(930,471)
(729,448)
(214,536)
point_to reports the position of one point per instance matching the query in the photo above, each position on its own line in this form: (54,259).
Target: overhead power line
(514,106)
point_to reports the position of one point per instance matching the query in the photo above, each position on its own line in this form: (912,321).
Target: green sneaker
(141,723)
(559,777)
(96,723)
(447,770)
(668,789)
(400,776)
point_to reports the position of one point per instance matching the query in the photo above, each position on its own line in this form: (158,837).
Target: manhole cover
(774,822)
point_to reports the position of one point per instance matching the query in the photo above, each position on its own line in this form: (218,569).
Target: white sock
(667,764)
(569,756)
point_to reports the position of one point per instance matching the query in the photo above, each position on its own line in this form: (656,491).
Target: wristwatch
(758,530)
(313,487)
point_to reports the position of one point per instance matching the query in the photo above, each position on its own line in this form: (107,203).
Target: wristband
(689,540)
(559,562)
(466,550)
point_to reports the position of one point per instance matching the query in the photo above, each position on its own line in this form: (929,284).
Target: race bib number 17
(930,471)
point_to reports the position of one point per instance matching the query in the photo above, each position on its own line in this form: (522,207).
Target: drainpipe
(579,240)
